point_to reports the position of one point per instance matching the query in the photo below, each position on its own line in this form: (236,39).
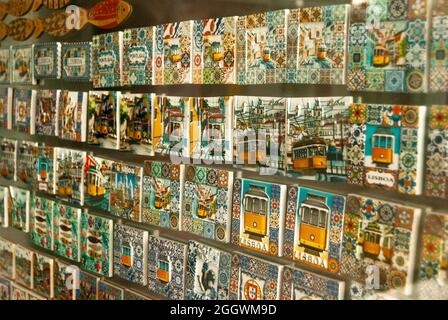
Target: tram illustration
(126,254)
(175,55)
(383,142)
(94,244)
(376,241)
(256,211)
(103,125)
(161,194)
(321,51)
(310,155)
(314,215)
(252,147)
(381,55)
(163,270)
(217,51)
(95,183)
(205,201)
(43,167)
(65,188)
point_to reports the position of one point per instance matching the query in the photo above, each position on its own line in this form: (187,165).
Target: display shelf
(420,200)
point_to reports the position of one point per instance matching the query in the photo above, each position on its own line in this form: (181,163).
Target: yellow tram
(309,155)
(256,204)
(102,126)
(95,183)
(217,51)
(313,223)
(383,142)
(250,147)
(381,57)
(134,130)
(321,51)
(65,186)
(376,240)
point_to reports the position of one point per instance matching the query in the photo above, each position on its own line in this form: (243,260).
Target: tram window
(386,243)
(263,207)
(322,219)
(321,151)
(249,204)
(314,217)
(256,208)
(306,214)
(389,142)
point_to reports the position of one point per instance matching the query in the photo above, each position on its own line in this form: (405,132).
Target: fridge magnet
(313,228)
(22,67)
(177,124)
(436,179)
(432,276)
(208,273)
(130,253)
(7,258)
(5,66)
(76,61)
(103,119)
(215,121)
(258,215)
(8,157)
(72,115)
(66,231)
(66,282)
(254,279)
(43,275)
(26,164)
(125,193)
(261,48)
(259,132)
(41,225)
(24,108)
(97,182)
(20,208)
(162,193)
(96,244)
(24,266)
(137,56)
(69,175)
(206,205)
(136,118)
(166,267)
(387,46)
(172,53)
(385,147)
(107,55)
(5,289)
(46,109)
(214,51)
(298,284)
(44,179)
(322,35)
(47,60)
(379,246)
(88,286)
(317,138)
(6,113)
